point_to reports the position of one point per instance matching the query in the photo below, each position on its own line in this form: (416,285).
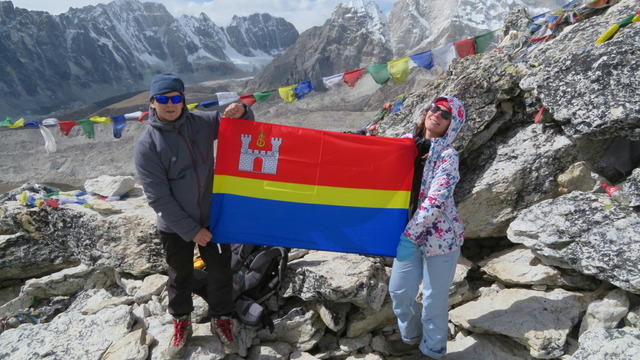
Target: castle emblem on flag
(269,158)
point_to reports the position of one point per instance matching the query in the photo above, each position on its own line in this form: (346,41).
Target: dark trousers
(214,286)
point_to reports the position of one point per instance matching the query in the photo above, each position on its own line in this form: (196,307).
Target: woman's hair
(420,128)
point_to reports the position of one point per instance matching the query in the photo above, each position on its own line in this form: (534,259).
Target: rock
(605,344)
(509,311)
(607,312)
(337,277)
(69,336)
(134,346)
(520,266)
(586,232)
(110,186)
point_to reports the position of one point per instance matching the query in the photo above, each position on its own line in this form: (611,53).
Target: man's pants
(214,286)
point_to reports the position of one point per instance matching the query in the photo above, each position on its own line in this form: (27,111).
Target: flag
(379,73)
(312,189)
(263,96)
(444,55)
(351,77)
(303,89)
(399,69)
(333,81)
(465,48)
(287,94)
(248,99)
(424,59)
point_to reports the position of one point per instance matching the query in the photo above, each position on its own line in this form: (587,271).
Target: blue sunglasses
(161,99)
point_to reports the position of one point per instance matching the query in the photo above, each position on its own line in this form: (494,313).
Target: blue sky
(301,13)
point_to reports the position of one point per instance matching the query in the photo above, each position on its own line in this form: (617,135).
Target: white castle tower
(269,158)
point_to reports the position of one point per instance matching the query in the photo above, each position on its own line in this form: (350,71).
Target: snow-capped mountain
(95,52)
(356,35)
(418,25)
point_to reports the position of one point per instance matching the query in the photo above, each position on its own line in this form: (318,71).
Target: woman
(430,244)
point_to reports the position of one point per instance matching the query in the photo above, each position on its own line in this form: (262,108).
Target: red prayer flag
(66,126)
(248,99)
(352,77)
(465,48)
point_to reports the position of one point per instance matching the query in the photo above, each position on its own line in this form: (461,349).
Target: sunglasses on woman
(433,108)
(161,99)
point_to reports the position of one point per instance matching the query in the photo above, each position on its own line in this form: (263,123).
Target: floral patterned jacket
(435,227)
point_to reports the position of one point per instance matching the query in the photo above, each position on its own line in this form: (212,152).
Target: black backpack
(258,272)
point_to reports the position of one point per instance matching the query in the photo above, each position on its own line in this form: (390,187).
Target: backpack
(258,271)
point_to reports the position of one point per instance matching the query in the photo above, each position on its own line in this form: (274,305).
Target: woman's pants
(215,286)
(430,328)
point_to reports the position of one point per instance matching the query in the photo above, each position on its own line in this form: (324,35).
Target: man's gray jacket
(175,163)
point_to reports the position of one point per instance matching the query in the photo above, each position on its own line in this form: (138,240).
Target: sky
(303,14)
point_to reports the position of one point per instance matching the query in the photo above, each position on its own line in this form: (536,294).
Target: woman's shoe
(399,347)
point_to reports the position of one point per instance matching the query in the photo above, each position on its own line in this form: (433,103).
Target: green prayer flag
(379,73)
(263,96)
(88,128)
(7,121)
(626,21)
(483,41)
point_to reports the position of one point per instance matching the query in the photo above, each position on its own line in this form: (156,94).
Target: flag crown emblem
(269,158)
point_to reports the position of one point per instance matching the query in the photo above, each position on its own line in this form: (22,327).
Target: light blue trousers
(430,328)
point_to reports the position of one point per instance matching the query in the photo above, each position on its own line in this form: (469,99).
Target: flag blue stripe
(247,220)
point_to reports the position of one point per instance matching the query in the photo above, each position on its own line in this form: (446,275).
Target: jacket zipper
(448,220)
(195,168)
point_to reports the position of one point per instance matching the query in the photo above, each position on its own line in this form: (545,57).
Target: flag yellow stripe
(311,194)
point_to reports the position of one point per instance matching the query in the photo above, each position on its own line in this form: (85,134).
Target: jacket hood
(458,116)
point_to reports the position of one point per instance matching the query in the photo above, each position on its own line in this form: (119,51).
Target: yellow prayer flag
(608,34)
(101,120)
(17,124)
(399,69)
(287,94)
(192,107)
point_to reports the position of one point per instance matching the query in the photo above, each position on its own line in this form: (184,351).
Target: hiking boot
(223,327)
(181,333)
(399,347)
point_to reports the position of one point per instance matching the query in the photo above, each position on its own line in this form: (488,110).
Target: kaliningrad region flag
(311,189)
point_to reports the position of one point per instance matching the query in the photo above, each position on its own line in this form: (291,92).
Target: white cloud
(303,14)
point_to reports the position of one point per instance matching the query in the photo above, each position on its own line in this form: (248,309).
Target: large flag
(310,189)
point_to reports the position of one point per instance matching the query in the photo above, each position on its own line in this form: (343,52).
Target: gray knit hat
(165,83)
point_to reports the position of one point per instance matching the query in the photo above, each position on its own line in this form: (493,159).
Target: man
(174,159)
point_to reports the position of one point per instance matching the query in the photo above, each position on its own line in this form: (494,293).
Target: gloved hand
(405,250)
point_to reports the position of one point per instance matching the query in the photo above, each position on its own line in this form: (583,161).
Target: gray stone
(509,311)
(606,344)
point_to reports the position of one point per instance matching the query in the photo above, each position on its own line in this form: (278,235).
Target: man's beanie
(165,83)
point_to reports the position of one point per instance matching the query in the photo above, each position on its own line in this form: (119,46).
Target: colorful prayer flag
(248,99)
(287,94)
(333,81)
(312,189)
(424,59)
(465,48)
(399,69)
(303,89)
(263,96)
(444,55)
(119,122)
(379,73)
(482,42)
(66,126)
(351,78)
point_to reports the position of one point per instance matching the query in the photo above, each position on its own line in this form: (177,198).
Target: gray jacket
(175,165)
